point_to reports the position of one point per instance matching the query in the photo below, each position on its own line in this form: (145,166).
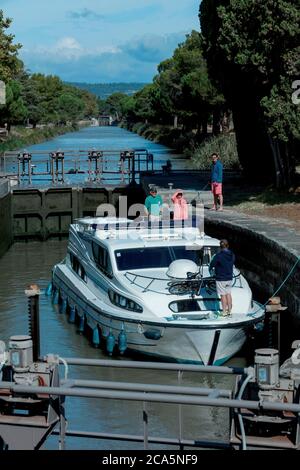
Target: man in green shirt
(153,205)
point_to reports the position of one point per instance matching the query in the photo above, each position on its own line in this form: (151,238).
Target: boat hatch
(191,316)
(195,305)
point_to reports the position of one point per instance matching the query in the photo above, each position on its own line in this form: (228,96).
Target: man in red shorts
(216,181)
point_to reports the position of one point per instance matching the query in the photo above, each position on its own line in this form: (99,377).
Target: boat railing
(182,285)
(133,277)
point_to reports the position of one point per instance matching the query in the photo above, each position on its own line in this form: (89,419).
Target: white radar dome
(180,268)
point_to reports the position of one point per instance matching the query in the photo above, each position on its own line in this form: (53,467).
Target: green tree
(9,63)
(14,111)
(69,108)
(252,48)
(185,89)
(32,98)
(113,105)
(90,101)
(145,103)
(128,108)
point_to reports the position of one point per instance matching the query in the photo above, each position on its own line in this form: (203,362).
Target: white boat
(135,289)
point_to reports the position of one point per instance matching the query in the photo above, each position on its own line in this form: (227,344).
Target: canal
(109,139)
(32,262)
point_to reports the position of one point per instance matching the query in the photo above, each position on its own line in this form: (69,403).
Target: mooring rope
(281,285)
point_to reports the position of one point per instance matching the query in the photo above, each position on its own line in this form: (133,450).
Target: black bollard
(33,293)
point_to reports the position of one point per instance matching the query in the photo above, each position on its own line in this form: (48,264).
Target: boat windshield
(161,256)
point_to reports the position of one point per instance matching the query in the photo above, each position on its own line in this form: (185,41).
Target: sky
(99,41)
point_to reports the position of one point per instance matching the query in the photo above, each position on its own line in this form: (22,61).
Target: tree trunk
(253,144)
(216,121)
(175,125)
(284,170)
(204,123)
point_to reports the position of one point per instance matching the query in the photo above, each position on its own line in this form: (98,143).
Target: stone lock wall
(6,235)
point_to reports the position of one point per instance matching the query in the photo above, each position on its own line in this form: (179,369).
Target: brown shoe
(226,314)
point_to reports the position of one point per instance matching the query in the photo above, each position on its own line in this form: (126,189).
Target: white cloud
(135,60)
(67,49)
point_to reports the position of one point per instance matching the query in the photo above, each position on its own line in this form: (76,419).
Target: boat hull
(163,340)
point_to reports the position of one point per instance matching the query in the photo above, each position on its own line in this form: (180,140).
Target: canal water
(32,262)
(76,145)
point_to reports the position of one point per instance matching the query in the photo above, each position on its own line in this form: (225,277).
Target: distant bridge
(106,120)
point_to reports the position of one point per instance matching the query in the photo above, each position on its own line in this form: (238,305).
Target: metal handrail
(171,283)
(149,393)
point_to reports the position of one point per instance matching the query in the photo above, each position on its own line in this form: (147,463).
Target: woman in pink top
(180,207)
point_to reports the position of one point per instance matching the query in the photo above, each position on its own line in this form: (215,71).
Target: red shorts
(216,189)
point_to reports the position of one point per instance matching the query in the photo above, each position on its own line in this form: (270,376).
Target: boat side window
(77,267)
(102,259)
(74,263)
(82,273)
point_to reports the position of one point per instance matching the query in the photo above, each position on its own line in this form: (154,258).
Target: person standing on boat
(180,206)
(217,182)
(223,263)
(153,205)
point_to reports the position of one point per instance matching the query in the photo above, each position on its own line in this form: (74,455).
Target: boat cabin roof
(122,233)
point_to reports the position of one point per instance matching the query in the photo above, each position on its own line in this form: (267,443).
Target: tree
(128,106)
(90,101)
(9,63)
(144,102)
(68,108)
(252,48)
(113,105)
(185,88)
(32,98)
(14,111)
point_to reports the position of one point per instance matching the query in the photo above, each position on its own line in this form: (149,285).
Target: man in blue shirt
(216,181)
(223,263)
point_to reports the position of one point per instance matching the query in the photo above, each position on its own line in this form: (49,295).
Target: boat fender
(122,341)
(48,291)
(110,343)
(259,326)
(72,315)
(56,297)
(153,334)
(81,325)
(63,306)
(96,337)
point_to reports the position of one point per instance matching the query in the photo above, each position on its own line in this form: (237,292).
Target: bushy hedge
(224,145)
